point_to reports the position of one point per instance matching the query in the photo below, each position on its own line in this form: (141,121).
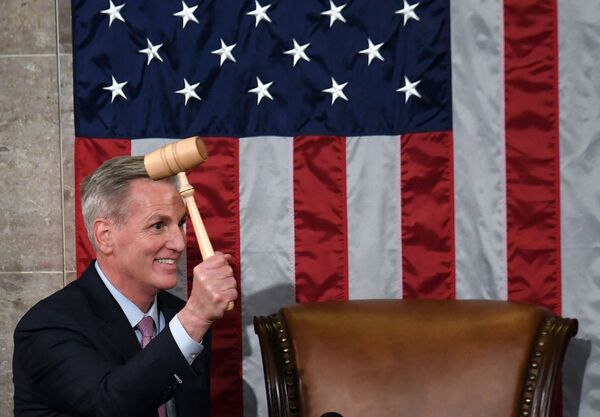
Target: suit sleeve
(67,370)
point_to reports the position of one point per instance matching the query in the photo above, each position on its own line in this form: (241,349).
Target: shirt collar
(132,312)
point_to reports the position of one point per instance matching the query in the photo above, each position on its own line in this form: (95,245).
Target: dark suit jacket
(77,355)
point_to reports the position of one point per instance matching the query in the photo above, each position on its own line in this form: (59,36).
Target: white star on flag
(409,89)
(260,13)
(151,51)
(113,12)
(225,52)
(189,91)
(408,12)
(334,13)
(116,89)
(372,51)
(261,90)
(187,14)
(298,52)
(336,91)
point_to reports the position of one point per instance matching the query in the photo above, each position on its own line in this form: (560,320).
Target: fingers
(220,287)
(214,286)
(217,260)
(227,256)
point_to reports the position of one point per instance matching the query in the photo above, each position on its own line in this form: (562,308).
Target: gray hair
(105,192)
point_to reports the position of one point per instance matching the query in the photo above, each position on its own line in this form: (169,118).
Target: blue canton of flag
(248,68)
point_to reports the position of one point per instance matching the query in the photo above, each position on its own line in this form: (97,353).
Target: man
(79,352)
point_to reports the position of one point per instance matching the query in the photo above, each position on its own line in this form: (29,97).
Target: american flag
(363,150)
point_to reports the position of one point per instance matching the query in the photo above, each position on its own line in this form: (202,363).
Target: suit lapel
(113,326)
(167,307)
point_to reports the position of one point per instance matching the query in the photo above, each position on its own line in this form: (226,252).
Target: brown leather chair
(412,358)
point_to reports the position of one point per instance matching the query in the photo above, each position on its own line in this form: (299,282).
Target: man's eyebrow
(156,217)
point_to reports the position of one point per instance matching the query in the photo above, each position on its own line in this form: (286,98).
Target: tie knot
(146,326)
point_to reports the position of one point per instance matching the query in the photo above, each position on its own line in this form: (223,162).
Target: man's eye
(181,224)
(158,226)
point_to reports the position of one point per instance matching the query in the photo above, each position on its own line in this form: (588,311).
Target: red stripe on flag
(217,194)
(320,218)
(90,154)
(427,194)
(532,152)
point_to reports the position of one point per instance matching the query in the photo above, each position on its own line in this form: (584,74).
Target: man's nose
(177,240)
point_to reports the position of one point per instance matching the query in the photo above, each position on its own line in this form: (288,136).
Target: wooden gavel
(175,159)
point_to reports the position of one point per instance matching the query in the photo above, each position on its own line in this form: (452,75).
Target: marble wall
(36,164)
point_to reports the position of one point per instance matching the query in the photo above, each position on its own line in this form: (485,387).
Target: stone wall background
(37,254)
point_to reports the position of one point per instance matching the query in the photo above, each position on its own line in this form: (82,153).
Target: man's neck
(142,298)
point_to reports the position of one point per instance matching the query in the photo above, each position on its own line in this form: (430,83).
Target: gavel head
(175,158)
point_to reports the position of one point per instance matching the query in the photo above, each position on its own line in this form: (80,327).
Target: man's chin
(166,280)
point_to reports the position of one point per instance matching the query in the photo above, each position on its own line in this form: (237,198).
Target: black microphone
(331,414)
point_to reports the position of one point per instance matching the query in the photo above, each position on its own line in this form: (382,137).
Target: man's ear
(103,234)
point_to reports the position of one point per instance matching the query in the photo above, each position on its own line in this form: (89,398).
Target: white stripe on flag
(479,149)
(267,248)
(142,147)
(579,56)
(374,238)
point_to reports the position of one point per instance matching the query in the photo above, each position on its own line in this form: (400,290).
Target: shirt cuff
(188,346)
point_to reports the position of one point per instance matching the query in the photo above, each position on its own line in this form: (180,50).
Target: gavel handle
(187,192)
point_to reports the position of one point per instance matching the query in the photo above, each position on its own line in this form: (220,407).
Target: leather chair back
(413,358)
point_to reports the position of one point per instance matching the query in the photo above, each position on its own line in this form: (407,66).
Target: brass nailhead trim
(289,370)
(533,369)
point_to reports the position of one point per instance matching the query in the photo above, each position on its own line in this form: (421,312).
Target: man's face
(148,245)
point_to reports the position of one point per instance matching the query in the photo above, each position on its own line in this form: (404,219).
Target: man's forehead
(155,196)
(149,187)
